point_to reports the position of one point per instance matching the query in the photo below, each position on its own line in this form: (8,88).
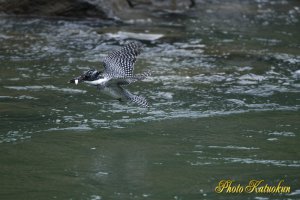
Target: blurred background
(224,95)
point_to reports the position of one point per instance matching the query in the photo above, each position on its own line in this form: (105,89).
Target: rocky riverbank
(115,9)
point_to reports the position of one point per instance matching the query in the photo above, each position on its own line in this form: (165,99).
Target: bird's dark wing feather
(120,63)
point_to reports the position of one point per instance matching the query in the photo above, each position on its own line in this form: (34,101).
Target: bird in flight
(118,72)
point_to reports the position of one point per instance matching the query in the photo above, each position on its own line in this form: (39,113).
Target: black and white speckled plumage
(118,71)
(120,63)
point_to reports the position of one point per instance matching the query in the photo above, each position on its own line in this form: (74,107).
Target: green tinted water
(225,105)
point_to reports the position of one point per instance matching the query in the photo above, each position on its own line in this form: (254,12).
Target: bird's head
(90,75)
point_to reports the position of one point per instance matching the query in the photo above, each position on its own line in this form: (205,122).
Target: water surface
(224,95)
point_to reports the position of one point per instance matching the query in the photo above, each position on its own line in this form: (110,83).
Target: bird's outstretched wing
(141,101)
(120,63)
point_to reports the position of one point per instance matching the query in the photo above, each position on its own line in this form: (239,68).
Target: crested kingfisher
(118,72)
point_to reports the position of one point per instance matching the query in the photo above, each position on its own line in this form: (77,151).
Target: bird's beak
(76,80)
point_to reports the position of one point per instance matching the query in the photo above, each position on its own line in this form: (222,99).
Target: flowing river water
(224,95)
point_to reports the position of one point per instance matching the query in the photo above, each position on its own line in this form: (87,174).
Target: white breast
(97,82)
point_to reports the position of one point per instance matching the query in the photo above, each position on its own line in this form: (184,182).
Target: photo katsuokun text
(253,186)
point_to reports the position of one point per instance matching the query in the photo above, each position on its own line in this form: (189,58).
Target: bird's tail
(138,77)
(142,76)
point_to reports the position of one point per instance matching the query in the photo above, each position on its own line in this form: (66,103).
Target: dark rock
(73,8)
(123,9)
